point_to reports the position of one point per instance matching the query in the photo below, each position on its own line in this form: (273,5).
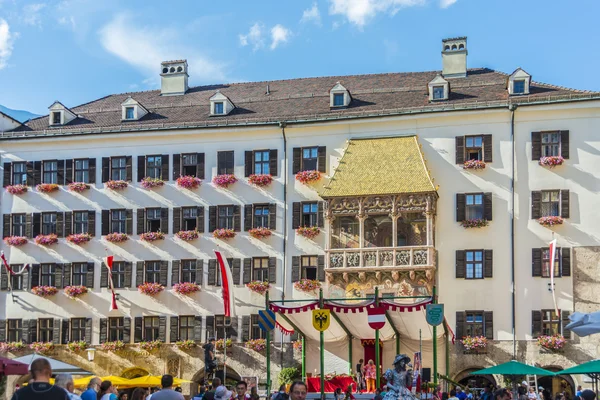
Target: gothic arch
(478,381)
(134,372)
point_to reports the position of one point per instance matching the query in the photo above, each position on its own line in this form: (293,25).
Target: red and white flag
(226,284)
(552,248)
(108,261)
(376,317)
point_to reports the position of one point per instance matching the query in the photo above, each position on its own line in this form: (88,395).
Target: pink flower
(77,347)
(220,343)
(151,289)
(75,291)
(151,345)
(474,164)
(186,288)
(79,238)
(260,180)
(152,236)
(116,237)
(309,232)
(474,342)
(15,240)
(188,235)
(44,291)
(78,187)
(555,342)
(149,183)
(47,187)
(17,189)
(11,347)
(42,347)
(189,182)
(112,346)
(224,234)
(46,240)
(224,180)
(308,176)
(474,223)
(257,345)
(551,161)
(550,221)
(298,345)
(185,344)
(116,185)
(258,287)
(307,285)
(260,233)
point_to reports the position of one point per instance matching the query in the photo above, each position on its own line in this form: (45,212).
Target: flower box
(219,344)
(149,183)
(152,236)
(112,346)
(307,285)
(258,345)
(47,187)
(44,291)
(307,177)
(186,288)
(75,291)
(46,240)
(260,233)
(79,238)
(116,185)
(17,189)
(224,234)
(116,237)
(309,232)
(189,182)
(555,342)
(259,287)
(188,235)
(77,347)
(78,187)
(15,240)
(551,161)
(151,289)
(261,180)
(474,342)
(185,344)
(297,345)
(474,164)
(12,347)
(474,223)
(42,347)
(550,221)
(150,345)
(224,180)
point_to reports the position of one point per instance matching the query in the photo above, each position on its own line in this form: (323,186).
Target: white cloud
(447,3)
(279,35)
(312,15)
(359,12)
(6,43)
(254,37)
(70,21)
(145,47)
(31,14)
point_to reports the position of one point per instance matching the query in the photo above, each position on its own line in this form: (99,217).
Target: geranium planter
(555,342)
(17,189)
(298,345)
(260,180)
(42,347)
(188,235)
(550,221)
(77,347)
(47,187)
(151,289)
(112,346)
(186,288)
(78,187)
(185,344)
(15,240)
(474,223)
(79,238)
(258,345)
(189,182)
(12,347)
(150,183)
(260,233)
(116,237)
(551,161)
(152,236)
(258,287)
(307,285)
(116,185)
(44,291)
(75,291)
(306,177)
(309,232)
(220,343)
(46,240)
(471,343)
(224,234)
(224,180)
(150,346)
(474,164)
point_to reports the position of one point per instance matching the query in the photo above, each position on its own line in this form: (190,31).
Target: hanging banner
(434,314)
(416,384)
(376,318)
(321,319)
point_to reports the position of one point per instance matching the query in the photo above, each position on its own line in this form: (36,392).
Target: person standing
(453,395)
(360,379)
(241,388)
(167,392)
(210,363)
(92,390)
(65,381)
(107,391)
(370,376)
(40,388)
(487,393)
(578,392)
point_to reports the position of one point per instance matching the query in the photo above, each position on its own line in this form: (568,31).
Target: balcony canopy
(382,166)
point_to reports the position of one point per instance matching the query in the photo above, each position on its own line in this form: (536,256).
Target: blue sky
(79,50)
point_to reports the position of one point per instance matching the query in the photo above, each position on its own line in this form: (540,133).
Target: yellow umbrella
(178,382)
(82,382)
(117,380)
(145,381)
(51,382)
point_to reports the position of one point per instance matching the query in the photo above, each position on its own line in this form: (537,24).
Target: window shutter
(141,168)
(237,218)
(60,224)
(56,331)
(6,225)
(69,172)
(212,272)
(91,222)
(162,329)
(141,221)
(488,263)
(536,323)
(487,148)
(163,273)
(103,275)
(3,279)
(174,333)
(200,220)
(175,269)
(25,330)
(236,266)
(460,264)
(295,268)
(69,223)
(2,330)
(487,206)
(564,144)
(461,203)
(26,280)
(92,170)
(248,165)
(67,274)
(128,273)
(536,262)
(29,225)
(164,173)
(460,324)
(245,328)
(37,173)
(247,271)
(139,273)
(105,222)
(30,173)
(460,149)
(273,162)
(210,326)
(564,204)
(127,330)
(320,214)
(488,318)
(198,328)
(137,329)
(35,275)
(129,221)
(129,168)
(273,216)
(321,268)
(296,160)
(88,330)
(536,146)
(105,169)
(60,172)
(37,224)
(164,220)
(32,330)
(536,204)
(65,331)
(212,218)
(176,169)
(564,316)
(200,166)
(296,213)
(199,272)
(103,330)
(248,210)
(7,174)
(58,275)
(233,329)
(272,269)
(565,262)
(322,160)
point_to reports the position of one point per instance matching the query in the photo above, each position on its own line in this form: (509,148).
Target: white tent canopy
(58,367)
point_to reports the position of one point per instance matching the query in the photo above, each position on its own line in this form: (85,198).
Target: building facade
(427,179)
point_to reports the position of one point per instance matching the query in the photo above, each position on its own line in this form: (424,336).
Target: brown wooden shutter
(162,329)
(127,330)
(103,275)
(322,159)
(66,325)
(273,162)
(141,221)
(30,173)
(91,222)
(164,167)
(29,225)
(212,218)
(296,214)
(60,172)
(198,328)
(210,327)
(69,172)
(237,218)
(245,328)
(91,171)
(564,316)
(162,274)
(488,318)
(536,204)
(176,219)
(295,268)
(233,328)
(273,216)
(460,149)
(248,163)
(296,160)
(138,323)
(487,206)
(129,221)
(6,219)
(88,330)
(564,144)
(536,323)
(69,223)
(3,279)
(565,262)
(2,330)
(141,168)
(212,272)
(67,274)
(164,220)
(105,169)
(461,203)
(461,317)
(129,168)
(139,273)
(103,330)
(174,333)
(25,331)
(536,262)
(176,168)
(128,273)
(248,211)
(247,274)
(488,263)
(321,268)
(536,146)
(58,275)
(487,148)
(272,269)
(33,330)
(200,219)
(236,267)
(105,221)
(461,269)
(7,174)
(37,173)
(60,224)
(199,271)
(321,214)
(37,224)
(56,331)
(200,166)
(175,271)
(35,275)
(564,204)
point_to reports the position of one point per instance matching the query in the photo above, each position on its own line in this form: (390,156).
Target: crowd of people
(524,392)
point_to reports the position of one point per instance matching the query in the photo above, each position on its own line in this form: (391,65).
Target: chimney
(173,77)
(454,57)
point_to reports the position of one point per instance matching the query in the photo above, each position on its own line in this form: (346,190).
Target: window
(151,328)
(152,270)
(186,328)
(48,223)
(18,225)
(255,330)
(152,219)
(438,93)
(154,167)
(551,203)
(224,162)
(260,269)
(79,274)
(56,117)
(261,217)
(80,222)
(474,324)
(77,329)
(519,86)
(550,144)
(116,328)
(225,217)
(474,264)
(50,169)
(222,323)
(119,221)
(118,168)
(346,233)
(308,267)
(19,173)
(118,274)
(188,271)
(190,218)
(338,99)
(16,281)
(45,329)
(309,214)
(310,158)
(218,107)
(261,162)
(473,148)
(550,323)
(129,114)
(378,231)
(189,163)
(14,333)
(82,170)
(474,206)
(546,263)
(47,275)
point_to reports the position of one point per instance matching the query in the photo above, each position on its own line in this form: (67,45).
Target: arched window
(453,47)
(346,233)
(378,231)
(447,48)
(461,46)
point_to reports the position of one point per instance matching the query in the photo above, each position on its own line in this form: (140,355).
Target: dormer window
(59,114)
(220,104)
(56,117)
(132,110)
(438,92)
(219,107)
(129,113)
(439,89)
(338,99)
(519,82)
(339,96)
(519,86)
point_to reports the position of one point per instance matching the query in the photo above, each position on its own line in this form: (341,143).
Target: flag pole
(268,350)
(322,352)
(435,353)
(377,355)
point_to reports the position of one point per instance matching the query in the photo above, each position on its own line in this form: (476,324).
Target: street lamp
(91,353)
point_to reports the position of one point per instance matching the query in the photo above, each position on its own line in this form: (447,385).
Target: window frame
(22,224)
(83,222)
(50,227)
(546,262)
(265,218)
(225,165)
(546,206)
(14,330)
(218,107)
(304,160)
(551,144)
(185,163)
(116,331)
(188,327)
(336,97)
(470,326)
(255,331)
(152,270)
(474,148)
(228,219)
(118,274)
(469,207)
(52,173)
(122,212)
(21,174)
(45,329)
(262,164)
(436,95)
(260,269)
(153,217)
(16,281)
(47,274)
(519,82)
(120,169)
(222,324)
(77,329)
(304,266)
(189,219)
(128,116)
(188,271)
(54,119)
(84,171)
(151,330)
(550,322)
(81,274)
(152,169)
(311,214)
(471,265)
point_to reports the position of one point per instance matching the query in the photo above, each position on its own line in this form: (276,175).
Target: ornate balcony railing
(381,257)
